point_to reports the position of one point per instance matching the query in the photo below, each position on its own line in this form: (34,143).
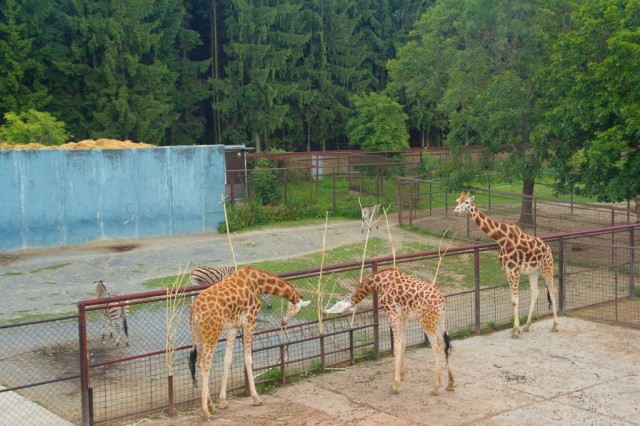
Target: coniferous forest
(554,82)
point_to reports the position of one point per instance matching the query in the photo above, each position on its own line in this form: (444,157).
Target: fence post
(489,187)
(285,186)
(561,275)
(376,317)
(334,186)
(84,367)
(632,261)
(399,200)
(411,203)
(446,203)
(476,286)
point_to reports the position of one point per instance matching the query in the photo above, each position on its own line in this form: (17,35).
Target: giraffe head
(338,308)
(464,204)
(293,309)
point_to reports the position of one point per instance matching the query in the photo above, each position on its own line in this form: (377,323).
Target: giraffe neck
(497,231)
(365,288)
(271,284)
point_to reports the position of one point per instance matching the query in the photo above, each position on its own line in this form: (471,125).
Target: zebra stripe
(368,215)
(209,275)
(112,314)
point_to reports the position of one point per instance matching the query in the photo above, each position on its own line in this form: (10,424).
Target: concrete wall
(53,198)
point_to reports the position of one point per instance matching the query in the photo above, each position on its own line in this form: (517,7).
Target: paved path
(586,374)
(53,280)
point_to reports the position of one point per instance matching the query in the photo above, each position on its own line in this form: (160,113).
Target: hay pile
(85,144)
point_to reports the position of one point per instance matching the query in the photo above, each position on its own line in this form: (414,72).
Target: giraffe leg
(228,360)
(205,367)
(444,341)
(437,347)
(248,359)
(403,340)
(514,281)
(553,294)
(533,283)
(396,328)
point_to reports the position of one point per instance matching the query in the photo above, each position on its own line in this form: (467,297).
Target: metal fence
(302,177)
(595,271)
(426,204)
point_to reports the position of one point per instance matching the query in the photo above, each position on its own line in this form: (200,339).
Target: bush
(32,126)
(252,213)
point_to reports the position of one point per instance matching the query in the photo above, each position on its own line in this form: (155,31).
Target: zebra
(368,215)
(209,275)
(112,313)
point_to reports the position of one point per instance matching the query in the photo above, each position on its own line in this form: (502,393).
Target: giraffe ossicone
(233,305)
(520,253)
(403,297)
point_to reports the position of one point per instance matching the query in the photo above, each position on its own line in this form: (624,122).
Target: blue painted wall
(53,198)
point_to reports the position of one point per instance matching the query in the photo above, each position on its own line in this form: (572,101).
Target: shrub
(32,126)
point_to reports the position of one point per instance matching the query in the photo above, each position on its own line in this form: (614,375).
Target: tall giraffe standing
(520,253)
(233,304)
(403,297)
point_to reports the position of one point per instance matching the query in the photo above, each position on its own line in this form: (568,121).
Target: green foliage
(253,213)
(265,186)
(21,72)
(32,126)
(591,130)
(469,71)
(378,124)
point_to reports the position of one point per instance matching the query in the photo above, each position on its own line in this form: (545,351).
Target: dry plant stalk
(440,256)
(226,223)
(174,308)
(393,248)
(319,294)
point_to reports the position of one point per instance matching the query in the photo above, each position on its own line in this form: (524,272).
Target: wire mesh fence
(595,272)
(427,204)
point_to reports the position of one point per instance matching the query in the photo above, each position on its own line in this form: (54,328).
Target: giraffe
(520,253)
(231,305)
(403,297)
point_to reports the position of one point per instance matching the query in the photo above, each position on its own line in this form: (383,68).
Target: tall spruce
(265,38)
(21,71)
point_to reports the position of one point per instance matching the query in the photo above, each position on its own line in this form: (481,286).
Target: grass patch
(11,274)
(52,267)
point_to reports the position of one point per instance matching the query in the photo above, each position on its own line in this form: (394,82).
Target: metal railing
(595,272)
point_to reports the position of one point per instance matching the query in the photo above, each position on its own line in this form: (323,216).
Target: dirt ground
(585,374)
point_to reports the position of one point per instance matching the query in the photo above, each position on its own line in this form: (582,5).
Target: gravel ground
(51,281)
(587,374)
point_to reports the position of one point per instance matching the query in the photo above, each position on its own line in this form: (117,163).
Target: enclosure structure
(596,273)
(426,204)
(302,176)
(54,198)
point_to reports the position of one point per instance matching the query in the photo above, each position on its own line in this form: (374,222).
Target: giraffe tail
(193,357)
(549,298)
(447,345)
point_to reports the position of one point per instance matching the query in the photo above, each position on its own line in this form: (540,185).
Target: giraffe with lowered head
(520,253)
(403,297)
(231,305)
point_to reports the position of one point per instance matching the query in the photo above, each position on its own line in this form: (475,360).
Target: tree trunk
(215,74)
(526,212)
(637,208)
(258,145)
